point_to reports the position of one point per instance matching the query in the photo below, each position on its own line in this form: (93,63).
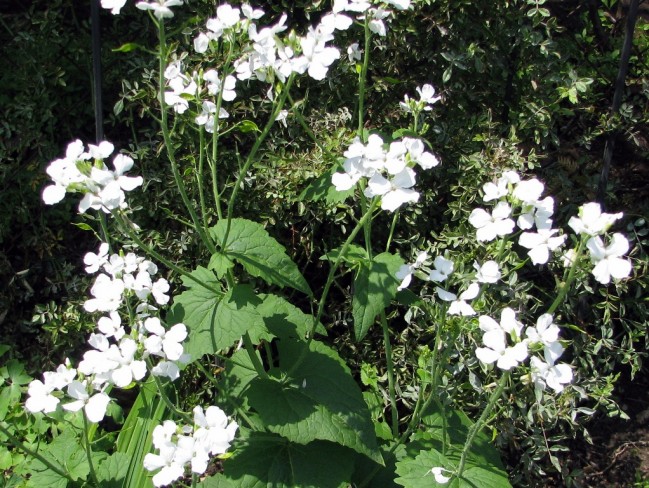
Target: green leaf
(65,452)
(374,288)
(318,401)
(237,314)
(270,460)
(321,188)
(196,308)
(353,256)
(248,126)
(112,471)
(258,252)
(220,263)
(134,439)
(127,48)
(282,319)
(415,473)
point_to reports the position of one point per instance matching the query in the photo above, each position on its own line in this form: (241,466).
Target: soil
(619,454)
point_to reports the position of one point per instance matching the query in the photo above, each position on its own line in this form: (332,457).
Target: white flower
(545,332)
(316,56)
(40,397)
(489,272)
(394,192)
(418,154)
(94,406)
(170,461)
(399,4)
(114,5)
(440,478)
(592,221)
(214,85)
(354,53)
(609,262)
(495,340)
(95,261)
(228,15)
(163,342)
(127,368)
(489,226)
(553,375)
(107,294)
(160,8)
(111,326)
(540,244)
(427,95)
(443,269)
(376,23)
(460,306)
(219,430)
(528,191)
(251,13)
(406,271)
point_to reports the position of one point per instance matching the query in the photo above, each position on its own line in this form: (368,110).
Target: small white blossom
(608,259)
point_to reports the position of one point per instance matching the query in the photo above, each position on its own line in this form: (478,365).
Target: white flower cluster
(181,446)
(442,269)
(118,357)
(390,171)
(607,259)
(85,172)
(522,199)
(543,336)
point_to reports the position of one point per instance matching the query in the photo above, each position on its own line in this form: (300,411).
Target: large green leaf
(416,473)
(374,287)
(446,431)
(65,452)
(196,308)
(270,460)
(319,400)
(112,472)
(282,319)
(258,252)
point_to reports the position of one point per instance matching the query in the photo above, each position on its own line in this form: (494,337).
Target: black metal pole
(96,69)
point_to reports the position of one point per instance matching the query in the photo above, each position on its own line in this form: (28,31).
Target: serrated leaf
(321,188)
(270,460)
(282,319)
(196,308)
(237,314)
(318,401)
(375,287)
(112,471)
(415,473)
(250,245)
(220,263)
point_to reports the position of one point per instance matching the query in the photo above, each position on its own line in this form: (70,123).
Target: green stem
(330,278)
(564,287)
(253,153)
(256,362)
(158,257)
(392,227)
(477,427)
(215,135)
(163,395)
(171,153)
(30,452)
(390,367)
(86,435)
(199,176)
(363,79)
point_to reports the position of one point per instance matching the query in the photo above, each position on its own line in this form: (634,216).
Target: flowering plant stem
(127,227)
(253,153)
(169,146)
(330,278)
(362,80)
(477,427)
(564,287)
(390,369)
(88,448)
